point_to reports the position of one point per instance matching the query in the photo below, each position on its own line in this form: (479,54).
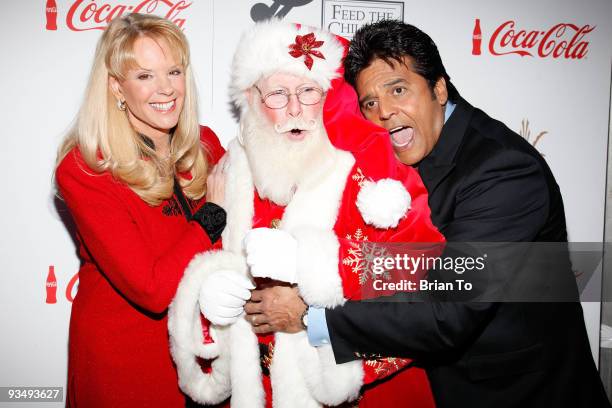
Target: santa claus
(307,180)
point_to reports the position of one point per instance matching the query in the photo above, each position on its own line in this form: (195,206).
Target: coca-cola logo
(563,40)
(72,287)
(51,286)
(84,15)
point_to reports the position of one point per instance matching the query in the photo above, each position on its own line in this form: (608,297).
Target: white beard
(278,164)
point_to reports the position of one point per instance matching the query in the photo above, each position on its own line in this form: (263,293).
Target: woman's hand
(215,183)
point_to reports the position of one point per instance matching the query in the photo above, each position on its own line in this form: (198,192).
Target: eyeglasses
(307,95)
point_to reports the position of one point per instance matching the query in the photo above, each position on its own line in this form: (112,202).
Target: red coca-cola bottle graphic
(51,10)
(51,286)
(476,38)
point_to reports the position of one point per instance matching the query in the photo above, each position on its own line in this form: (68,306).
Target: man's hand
(275,309)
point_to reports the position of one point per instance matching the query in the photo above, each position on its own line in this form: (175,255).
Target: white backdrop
(45,71)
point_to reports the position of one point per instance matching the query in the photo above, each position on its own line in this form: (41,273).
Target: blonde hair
(103,133)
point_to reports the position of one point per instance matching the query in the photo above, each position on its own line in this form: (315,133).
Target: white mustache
(295,123)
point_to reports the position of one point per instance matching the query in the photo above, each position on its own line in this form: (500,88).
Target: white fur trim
(185,331)
(319,380)
(328,382)
(318,197)
(239,196)
(247,389)
(383,203)
(290,389)
(317,267)
(264,50)
(310,218)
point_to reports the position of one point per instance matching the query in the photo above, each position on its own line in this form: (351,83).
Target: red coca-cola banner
(84,15)
(563,40)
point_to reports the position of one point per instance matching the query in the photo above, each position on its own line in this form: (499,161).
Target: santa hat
(275,46)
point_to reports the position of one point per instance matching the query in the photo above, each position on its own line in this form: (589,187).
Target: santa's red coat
(325,219)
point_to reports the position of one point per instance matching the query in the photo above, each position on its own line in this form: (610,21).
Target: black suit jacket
(485,183)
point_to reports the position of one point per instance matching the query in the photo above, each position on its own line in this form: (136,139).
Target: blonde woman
(133,171)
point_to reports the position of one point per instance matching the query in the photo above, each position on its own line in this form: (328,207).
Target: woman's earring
(121,105)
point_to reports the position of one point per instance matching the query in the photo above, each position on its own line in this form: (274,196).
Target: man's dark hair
(391,40)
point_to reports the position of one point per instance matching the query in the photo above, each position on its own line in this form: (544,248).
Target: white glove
(223,295)
(271,253)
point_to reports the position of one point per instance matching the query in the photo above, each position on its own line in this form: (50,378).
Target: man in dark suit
(485,184)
